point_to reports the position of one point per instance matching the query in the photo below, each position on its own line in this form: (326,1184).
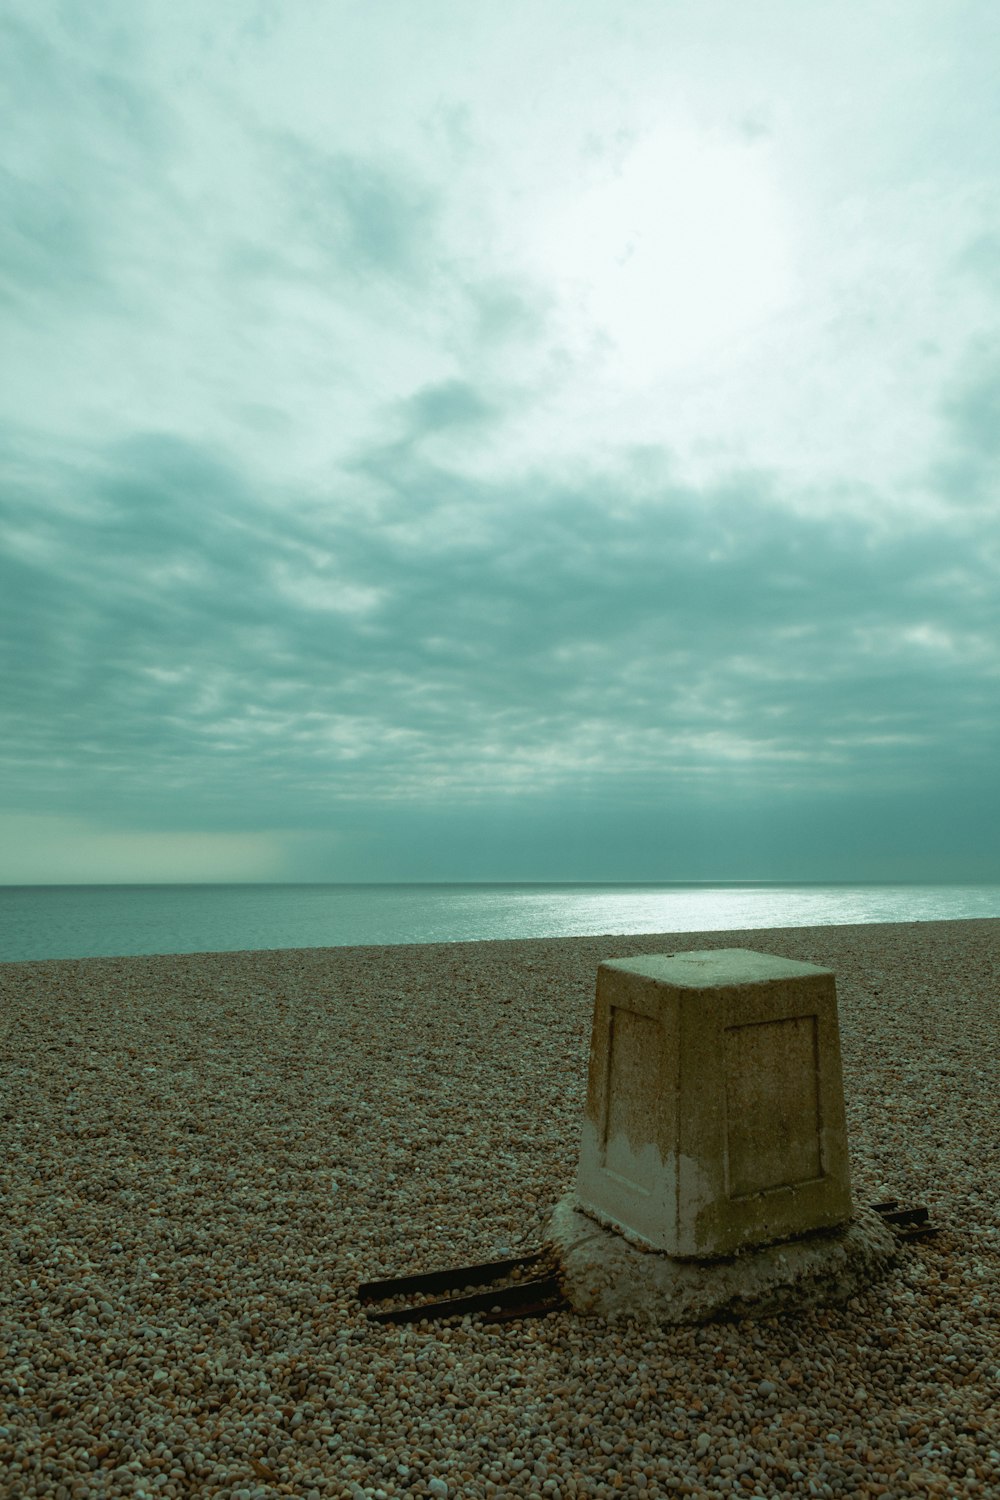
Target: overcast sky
(500,440)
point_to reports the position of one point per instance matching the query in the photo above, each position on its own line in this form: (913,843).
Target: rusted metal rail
(489,1288)
(908,1224)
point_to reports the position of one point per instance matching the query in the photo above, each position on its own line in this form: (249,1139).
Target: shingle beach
(202,1156)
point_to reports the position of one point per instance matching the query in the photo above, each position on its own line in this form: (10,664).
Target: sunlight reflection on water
(87,921)
(567,912)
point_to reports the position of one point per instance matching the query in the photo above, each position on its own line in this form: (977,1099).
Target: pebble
(201,1156)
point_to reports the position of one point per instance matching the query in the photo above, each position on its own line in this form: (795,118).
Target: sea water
(83,921)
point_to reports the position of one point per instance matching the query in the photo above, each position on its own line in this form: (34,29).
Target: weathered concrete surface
(606,1277)
(715,1108)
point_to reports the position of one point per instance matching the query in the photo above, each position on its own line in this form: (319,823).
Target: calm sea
(84,921)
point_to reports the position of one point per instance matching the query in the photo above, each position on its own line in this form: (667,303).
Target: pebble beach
(204,1155)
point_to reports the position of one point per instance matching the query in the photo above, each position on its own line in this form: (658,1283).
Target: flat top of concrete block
(713,968)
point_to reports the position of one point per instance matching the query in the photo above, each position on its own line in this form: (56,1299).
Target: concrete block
(715,1107)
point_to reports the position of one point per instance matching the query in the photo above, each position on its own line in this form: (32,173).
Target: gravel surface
(201,1157)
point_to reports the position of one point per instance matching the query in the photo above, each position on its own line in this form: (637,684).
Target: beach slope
(203,1155)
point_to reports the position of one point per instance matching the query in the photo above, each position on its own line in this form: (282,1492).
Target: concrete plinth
(604,1276)
(715,1111)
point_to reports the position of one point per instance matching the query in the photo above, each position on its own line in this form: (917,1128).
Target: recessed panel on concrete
(773,1121)
(632,1069)
(715,1112)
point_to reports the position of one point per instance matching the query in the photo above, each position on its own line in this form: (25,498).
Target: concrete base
(606,1277)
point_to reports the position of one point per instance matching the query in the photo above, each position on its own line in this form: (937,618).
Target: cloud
(507,310)
(323,508)
(963,475)
(974,411)
(264,663)
(453,403)
(980,258)
(85,135)
(369,218)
